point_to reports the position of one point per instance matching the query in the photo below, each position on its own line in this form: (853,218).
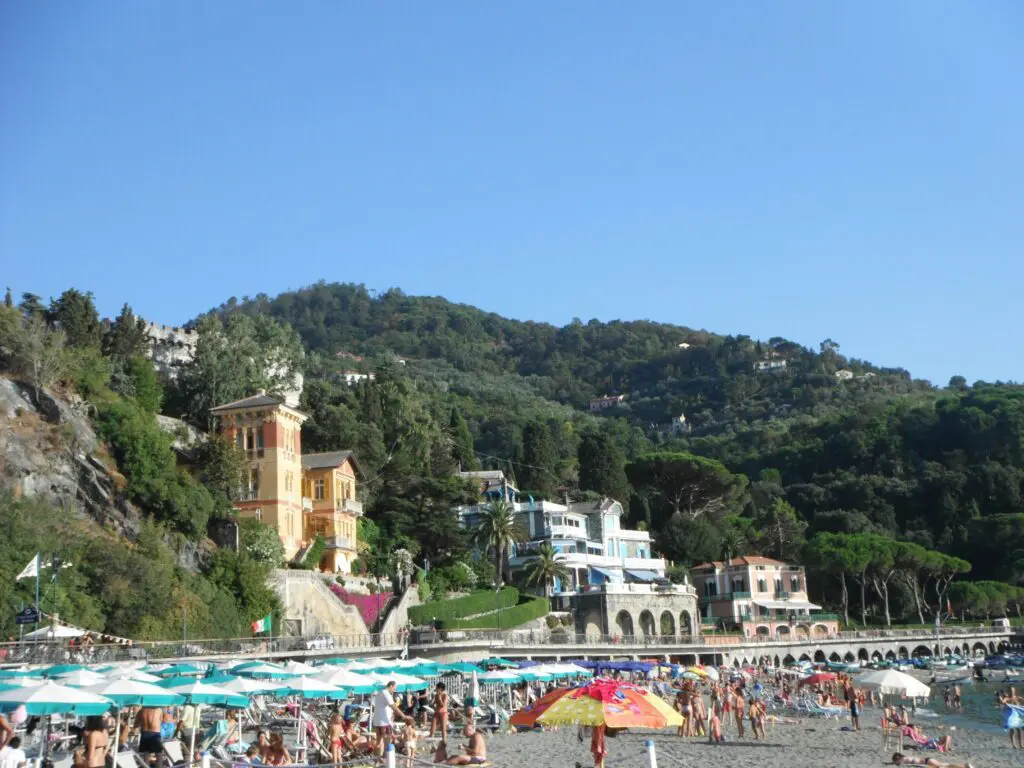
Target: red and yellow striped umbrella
(601,702)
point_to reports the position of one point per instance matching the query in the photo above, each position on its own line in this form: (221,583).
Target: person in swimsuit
(440,718)
(149,722)
(475,750)
(739,708)
(598,746)
(276,752)
(336,738)
(929,762)
(97,742)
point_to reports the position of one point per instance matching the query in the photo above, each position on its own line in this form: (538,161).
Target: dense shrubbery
(506,618)
(478,602)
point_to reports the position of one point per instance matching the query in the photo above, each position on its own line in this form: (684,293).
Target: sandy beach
(813,743)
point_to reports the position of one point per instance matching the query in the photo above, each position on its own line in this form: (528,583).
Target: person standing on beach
(440,718)
(1013,717)
(739,707)
(850,693)
(598,745)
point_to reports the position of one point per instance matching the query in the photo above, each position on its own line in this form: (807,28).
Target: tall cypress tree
(603,466)
(538,460)
(462,441)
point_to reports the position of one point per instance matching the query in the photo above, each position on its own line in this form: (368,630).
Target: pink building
(759,596)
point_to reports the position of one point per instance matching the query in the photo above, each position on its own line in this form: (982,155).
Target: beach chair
(892,737)
(174,751)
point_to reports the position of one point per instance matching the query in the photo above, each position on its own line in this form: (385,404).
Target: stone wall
(310,608)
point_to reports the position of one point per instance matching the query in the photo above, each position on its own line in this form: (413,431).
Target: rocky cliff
(50,451)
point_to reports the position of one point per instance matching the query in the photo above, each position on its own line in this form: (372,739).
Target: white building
(354,377)
(588,536)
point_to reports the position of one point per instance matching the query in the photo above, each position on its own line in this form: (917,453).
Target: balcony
(351,506)
(565,532)
(307,504)
(725,597)
(339,542)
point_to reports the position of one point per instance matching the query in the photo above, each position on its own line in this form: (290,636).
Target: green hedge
(470,605)
(506,618)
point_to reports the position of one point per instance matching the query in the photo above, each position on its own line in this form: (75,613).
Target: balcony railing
(351,506)
(727,596)
(307,503)
(338,542)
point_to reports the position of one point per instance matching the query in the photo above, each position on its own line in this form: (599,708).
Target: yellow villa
(329,485)
(301,497)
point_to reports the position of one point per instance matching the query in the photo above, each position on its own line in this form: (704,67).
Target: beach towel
(1013,716)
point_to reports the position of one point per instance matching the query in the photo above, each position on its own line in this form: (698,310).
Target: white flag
(31,570)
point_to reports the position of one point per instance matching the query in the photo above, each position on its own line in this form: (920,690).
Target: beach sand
(814,743)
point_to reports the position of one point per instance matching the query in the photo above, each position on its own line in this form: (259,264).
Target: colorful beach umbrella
(818,677)
(603,702)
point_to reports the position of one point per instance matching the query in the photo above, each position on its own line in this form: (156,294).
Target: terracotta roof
(253,401)
(329,459)
(745,560)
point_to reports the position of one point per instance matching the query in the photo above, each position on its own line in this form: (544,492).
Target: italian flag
(262,625)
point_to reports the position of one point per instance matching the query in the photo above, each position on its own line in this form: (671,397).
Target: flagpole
(38,614)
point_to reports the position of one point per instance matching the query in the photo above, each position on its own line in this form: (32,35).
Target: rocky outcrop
(51,451)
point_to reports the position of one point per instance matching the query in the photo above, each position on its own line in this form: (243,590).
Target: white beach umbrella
(80,678)
(248,686)
(891,681)
(299,668)
(500,676)
(353,681)
(129,673)
(403,683)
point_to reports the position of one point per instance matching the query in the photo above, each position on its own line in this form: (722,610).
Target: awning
(643,575)
(788,605)
(606,574)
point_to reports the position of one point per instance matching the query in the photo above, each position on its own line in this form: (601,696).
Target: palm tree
(497,531)
(546,568)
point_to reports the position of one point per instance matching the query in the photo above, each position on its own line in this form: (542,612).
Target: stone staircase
(311,608)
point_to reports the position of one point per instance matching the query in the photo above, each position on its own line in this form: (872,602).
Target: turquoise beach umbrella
(61,669)
(52,699)
(312,688)
(459,666)
(498,662)
(198,692)
(132,693)
(179,670)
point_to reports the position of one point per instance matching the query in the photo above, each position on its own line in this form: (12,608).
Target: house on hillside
(300,497)
(351,378)
(598,404)
(331,507)
(760,596)
(844,375)
(771,364)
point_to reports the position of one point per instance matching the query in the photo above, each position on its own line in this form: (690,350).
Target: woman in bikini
(97,741)
(276,752)
(440,718)
(929,762)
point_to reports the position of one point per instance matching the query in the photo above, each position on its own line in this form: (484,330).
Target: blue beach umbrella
(52,699)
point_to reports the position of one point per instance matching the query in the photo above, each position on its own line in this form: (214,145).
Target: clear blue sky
(805,169)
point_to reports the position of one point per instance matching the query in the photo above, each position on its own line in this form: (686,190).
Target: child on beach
(714,729)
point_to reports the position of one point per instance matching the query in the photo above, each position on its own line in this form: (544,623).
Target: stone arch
(668,624)
(736,663)
(788,660)
(979,646)
(778,662)
(686,624)
(647,628)
(876,656)
(835,657)
(782,631)
(862,654)
(592,624)
(849,658)
(991,647)
(805,657)
(947,651)
(890,655)
(819,656)
(802,630)
(965,650)
(819,630)
(922,650)
(624,623)
(763,630)
(903,653)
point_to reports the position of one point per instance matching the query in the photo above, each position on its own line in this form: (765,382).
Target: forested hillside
(900,495)
(821,444)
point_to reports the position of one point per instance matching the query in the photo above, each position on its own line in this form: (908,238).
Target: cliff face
(52,451)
